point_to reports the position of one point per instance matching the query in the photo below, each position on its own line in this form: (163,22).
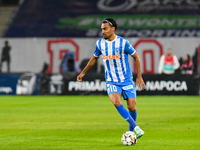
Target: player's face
(107,30)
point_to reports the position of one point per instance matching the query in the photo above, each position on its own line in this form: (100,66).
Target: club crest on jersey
(111,57)
(117,50)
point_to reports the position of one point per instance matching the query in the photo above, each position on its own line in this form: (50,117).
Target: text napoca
(167,85)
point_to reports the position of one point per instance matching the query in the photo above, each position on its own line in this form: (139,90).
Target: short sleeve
(129,48)
(97,51)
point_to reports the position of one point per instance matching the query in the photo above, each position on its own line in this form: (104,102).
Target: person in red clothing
(187,66)
(168,63)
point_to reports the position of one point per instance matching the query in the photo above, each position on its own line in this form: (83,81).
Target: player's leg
(131,105)
(129,94)
(114,93)
(116,100)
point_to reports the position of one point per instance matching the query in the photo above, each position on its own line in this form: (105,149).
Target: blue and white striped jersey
(115,58)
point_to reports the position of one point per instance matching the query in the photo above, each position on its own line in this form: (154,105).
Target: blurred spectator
(168,63)
(187,66)
(69,64)
(195,61)
(5,56)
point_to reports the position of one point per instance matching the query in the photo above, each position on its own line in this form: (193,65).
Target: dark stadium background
(41,33)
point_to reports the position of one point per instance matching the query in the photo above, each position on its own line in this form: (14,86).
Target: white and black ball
(129,138)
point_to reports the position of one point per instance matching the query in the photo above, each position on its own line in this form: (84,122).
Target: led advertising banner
(83,18)
(19,84)
(94,84)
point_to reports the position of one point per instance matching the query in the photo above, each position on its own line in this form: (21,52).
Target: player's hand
(80,76)
(140,83)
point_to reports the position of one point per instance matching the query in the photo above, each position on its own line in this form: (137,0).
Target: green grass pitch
(92,123)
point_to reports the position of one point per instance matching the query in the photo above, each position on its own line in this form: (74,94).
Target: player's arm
(139,80)
(91,63)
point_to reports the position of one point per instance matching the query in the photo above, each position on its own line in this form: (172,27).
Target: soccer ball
(129,138)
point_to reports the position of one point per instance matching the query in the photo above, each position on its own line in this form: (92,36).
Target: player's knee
(132,108)
(116,100)
(117,103)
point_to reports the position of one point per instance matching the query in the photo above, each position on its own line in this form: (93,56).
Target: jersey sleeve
(129,48)
(97,51)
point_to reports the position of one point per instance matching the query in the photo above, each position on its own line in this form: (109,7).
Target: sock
(125,114)
(134,116)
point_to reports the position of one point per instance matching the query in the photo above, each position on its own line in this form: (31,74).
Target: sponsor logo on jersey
(111,57)
(127,87)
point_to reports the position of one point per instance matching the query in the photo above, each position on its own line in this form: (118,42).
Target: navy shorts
(126,89)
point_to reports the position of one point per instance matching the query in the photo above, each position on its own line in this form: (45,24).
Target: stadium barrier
(19,84)
(93,84)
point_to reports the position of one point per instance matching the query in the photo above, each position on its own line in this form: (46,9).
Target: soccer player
(119,80)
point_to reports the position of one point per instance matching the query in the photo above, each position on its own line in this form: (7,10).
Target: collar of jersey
(112,40)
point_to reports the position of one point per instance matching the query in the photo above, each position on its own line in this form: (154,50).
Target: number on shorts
(112,88)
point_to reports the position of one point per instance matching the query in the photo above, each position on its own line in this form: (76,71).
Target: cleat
(139,132)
